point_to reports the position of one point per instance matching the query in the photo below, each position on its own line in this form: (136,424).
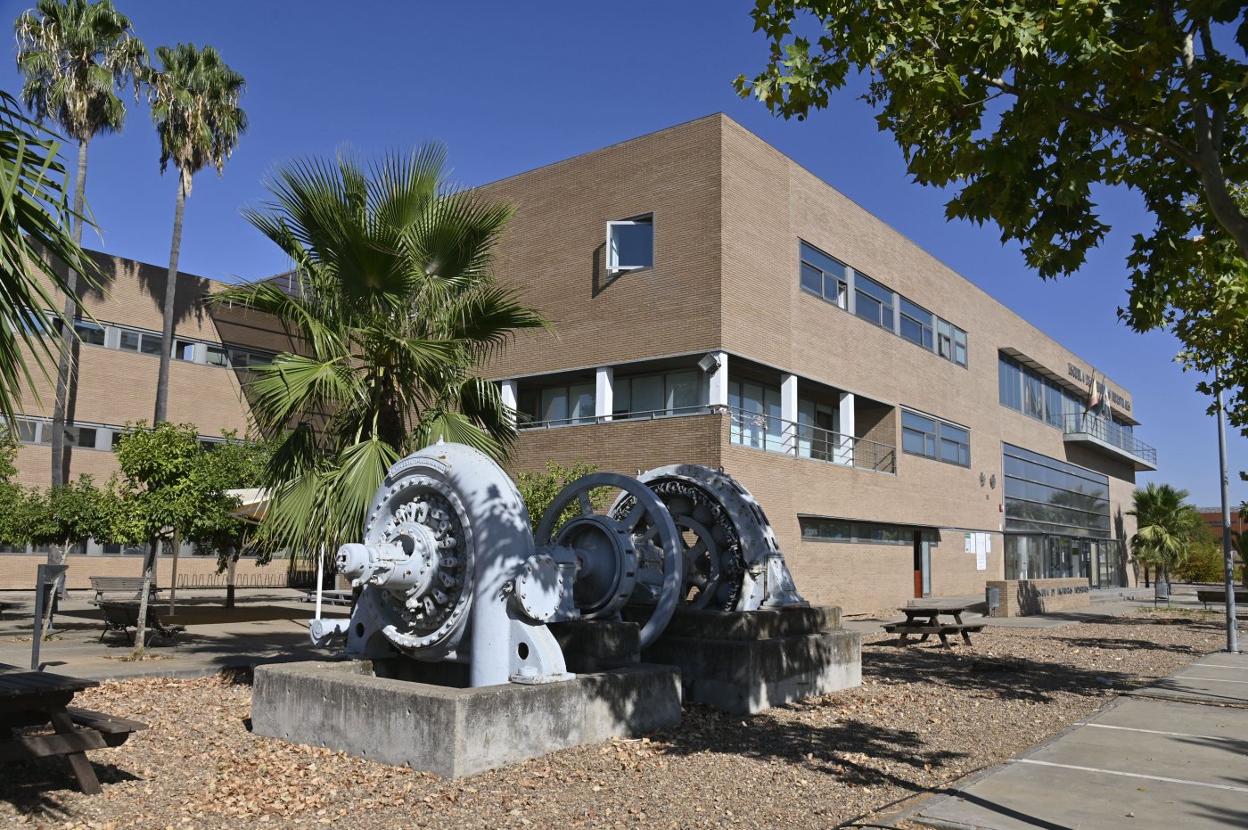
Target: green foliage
(395,306)
(75,57)
(195,104)
(1203,562)
(70,514)
(1023,109)
(539,489)
(34,223)
(12,496)
(173,483)
(1167,527)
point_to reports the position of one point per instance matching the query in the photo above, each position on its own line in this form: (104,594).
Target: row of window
(933,438)
(635,396)
(1053,496)
(1032,394)
(828,278)
(86,436)
(142,341)
(819,529)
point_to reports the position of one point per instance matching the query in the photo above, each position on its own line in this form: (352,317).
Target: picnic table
(923,618)
(41,699)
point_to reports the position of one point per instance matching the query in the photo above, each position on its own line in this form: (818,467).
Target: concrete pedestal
(744,662)
(456,731)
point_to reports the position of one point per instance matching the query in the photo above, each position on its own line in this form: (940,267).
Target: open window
(630,244)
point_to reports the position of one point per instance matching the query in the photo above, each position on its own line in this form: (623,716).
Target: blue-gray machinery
(450,570)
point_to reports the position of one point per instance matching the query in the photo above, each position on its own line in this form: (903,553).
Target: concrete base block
(750,661)
(452,731)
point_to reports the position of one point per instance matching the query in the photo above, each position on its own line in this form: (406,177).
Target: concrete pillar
(896,314)
(604,393)
(844,451)
(717,381)
(788,413)
(851,301)
(507,390)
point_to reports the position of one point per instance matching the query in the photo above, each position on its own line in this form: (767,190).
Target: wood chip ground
(922,719)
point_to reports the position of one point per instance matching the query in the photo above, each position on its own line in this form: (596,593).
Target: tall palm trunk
(64,368)
(171,292)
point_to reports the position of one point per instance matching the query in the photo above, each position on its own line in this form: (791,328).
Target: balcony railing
(767,432)
(1108,432)
(647,415)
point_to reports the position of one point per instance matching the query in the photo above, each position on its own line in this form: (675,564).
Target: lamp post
(1232,635)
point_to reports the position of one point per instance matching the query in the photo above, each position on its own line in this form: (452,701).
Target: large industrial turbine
(732,561)
(449,570)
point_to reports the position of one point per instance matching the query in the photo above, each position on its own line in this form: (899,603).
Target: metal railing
(1085,423)
(647,415)
(772,434)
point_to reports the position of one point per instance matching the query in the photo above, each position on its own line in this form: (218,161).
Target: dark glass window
(819,529)
(874,302)
(916,324)
(89,332)
(934,438)
(630,244)
(1010,383)
(823,275)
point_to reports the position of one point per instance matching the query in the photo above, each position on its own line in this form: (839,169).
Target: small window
(916,324)
(184,349)
(129,340)
(150,344)
(935,439)
(215,356)
(630,244)
(89,332)
(27,431)
(874,302)
(81,437)
(824,276)
(950,342)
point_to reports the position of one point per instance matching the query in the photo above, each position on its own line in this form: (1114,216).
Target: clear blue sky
(509,86)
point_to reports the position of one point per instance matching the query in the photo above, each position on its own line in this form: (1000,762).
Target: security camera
(709,363)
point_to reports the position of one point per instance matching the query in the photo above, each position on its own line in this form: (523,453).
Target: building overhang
(1144,460)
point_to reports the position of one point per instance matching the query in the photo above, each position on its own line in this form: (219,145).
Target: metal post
(1232,635)
(320,578)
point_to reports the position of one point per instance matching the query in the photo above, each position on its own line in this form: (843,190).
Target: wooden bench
(1208,595)
(120,588)
(122,616)
(40,700)
(941,630)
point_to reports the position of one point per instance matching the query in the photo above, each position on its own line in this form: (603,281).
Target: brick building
(118,357)
(714,302)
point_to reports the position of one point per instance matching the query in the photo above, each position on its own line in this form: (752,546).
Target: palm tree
(393,305)
(194,99)
(75,57)
(34,231)
(1166,525)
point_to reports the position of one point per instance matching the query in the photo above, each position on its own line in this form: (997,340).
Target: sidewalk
(1174,755)
(265,626)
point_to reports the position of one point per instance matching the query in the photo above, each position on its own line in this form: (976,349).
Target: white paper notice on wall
(970,543)
(981,551)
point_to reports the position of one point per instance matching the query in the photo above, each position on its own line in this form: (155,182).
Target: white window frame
(613,267)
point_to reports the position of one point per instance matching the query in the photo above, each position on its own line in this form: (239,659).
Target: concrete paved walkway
(1171,757)
(265,626)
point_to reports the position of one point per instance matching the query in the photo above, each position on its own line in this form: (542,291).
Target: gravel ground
(922,719)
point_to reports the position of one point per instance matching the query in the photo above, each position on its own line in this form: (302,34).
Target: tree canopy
(1167,526)
(1023,108)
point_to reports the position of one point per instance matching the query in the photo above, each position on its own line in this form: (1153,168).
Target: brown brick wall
(622,446)
(553,252)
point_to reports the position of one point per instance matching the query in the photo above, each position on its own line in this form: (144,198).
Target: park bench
(1208,595)
(122,616)
(120,588)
